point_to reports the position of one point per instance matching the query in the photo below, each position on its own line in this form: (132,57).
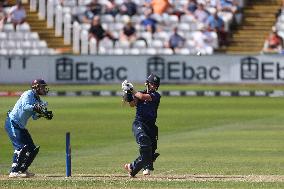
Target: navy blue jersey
(146,111)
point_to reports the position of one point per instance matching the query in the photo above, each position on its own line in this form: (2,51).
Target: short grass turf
(197,136)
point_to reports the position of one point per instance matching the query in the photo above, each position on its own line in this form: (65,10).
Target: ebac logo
(254,69)
(249,68)
(64,69)
(68,70)
(180,70)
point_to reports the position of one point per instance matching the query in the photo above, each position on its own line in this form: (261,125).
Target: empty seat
(32,36)
(139,44)
(3,51)
(157,44)
(162,35)
(107,18)
(122,44)
(3,36)
(25,27)
(8,28)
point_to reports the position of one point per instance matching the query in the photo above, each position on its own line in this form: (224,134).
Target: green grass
(198,135)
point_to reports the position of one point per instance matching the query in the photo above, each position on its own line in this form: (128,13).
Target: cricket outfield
(205,142)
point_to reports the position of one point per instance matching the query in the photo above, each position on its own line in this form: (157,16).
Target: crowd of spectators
(182,20)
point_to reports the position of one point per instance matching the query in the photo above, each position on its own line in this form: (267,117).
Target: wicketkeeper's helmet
(37,84)
(153,79)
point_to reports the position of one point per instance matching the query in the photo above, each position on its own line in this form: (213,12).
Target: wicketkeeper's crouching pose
(28,105)
(144,126)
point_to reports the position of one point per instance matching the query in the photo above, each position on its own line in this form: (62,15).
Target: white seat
(134,51)
(26,44)
(3,51)
(32,36)
(25,27)
(166,51)
(118,51)
(8,28)
(107,43)
(187,18)
(32,52)
(16,52)
(139,44)
(3,36)
(16,36)
(171,20)
(183,51)
(151,51)
(162,35)
(107,18)
(146,35)
(185,27)
(121,18)
(122,44)
(40,44)
(156,44)
(10,45)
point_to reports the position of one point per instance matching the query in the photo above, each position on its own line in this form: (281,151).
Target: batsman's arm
(142,96)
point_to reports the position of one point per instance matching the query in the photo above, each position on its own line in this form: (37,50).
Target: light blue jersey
(23,109)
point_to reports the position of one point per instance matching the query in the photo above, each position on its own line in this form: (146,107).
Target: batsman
(28,105)
(144,125)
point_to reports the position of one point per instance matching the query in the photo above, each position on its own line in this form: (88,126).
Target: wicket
(68,155)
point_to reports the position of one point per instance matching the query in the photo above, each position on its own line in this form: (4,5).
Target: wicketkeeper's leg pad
(20,158)
(30,156)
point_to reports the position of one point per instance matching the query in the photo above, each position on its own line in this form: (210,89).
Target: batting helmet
(153,79)
(39,84)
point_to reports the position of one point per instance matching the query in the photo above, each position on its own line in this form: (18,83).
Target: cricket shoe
(127,167)
(146,172)
(18,175)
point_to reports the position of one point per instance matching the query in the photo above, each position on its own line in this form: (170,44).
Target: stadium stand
(64,26)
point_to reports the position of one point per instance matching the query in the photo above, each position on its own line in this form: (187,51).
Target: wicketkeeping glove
(38,108)
(48,115)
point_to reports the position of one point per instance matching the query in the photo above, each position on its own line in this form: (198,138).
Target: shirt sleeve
(154,96)
(28,104)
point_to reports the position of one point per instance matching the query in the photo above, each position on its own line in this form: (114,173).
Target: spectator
(215,23)
(3,17)
(128,32)
(280,10)
(273,43)
(229,5)
(97,31)
(159,6)
(190,7)
(201,14)
(176,41)
(17,14)
(111,8)
(149,23)
(128,8)
(95,7)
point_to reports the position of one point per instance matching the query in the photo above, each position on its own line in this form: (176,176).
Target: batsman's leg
(145,154)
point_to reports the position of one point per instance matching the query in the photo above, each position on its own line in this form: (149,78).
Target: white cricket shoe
(146,172)
(18,175)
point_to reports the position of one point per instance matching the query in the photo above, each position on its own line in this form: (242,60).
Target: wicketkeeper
(28,105)
(144,126)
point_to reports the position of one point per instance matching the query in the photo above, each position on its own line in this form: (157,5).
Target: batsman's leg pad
(30,158)
(20,159)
